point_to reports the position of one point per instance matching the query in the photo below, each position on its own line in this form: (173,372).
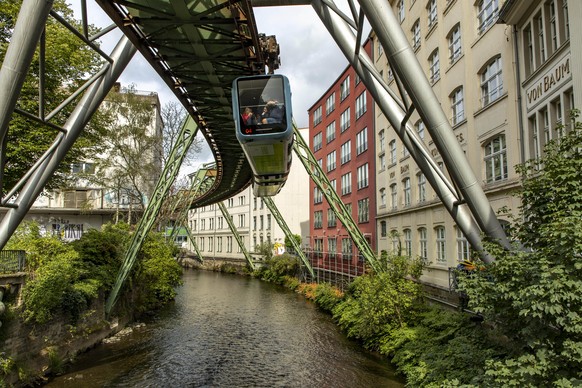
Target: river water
(231,331)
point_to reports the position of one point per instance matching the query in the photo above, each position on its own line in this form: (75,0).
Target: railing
(335,268)
(12,261)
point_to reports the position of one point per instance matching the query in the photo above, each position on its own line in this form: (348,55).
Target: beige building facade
(469,61)
(254,222)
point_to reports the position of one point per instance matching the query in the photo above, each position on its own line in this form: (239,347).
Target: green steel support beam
(169,174)
(193,241)
(275,212)
(241,244)
(318,176)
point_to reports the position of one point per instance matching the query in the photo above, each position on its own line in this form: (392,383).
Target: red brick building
(341,136)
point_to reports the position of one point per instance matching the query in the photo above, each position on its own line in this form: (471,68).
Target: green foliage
(327,296)
(376,305)
(289,245)
(279,267)
(534,296)
(265,249)
(68,62)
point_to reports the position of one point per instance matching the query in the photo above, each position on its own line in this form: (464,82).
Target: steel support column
(80,116)
(27,32)
(237,236)
(283,225)
(169,174)
(322,182)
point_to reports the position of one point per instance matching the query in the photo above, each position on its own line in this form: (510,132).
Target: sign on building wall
(549,82)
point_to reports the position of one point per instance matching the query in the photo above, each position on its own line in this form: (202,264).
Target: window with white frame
(380,50)
(416,34)
(332,245)
(382,197)
(201,244)
(422,243)
(241,220)
(362,176)
(441,244)
(331,218)
(394,196)
(346,248)
(229,243)
(347,183)
(383,229)
(553,25)
(541,37)
(330,132)
(396,245)
(400,10)
(317,142)
(381,140)
(219,244)
(331,161)
(317,116)
(455,43)
(382,161)
(457,106)
(566,20)
(332,184)
(330,104)
(463,252)
(420,129)
(488,11)
(407,242)
(406,191)
(210,244)
(317,219)
(491,82)
(345,88)
(361,106)
(346,152)
(361,141)
(345,120)
(434,66)
(392,147)
(317,195)
(431,9)
(421,179)
(364,210)
(495,159)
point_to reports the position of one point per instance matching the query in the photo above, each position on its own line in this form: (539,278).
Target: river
(232,331)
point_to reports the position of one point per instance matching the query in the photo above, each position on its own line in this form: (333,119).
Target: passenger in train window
(272,114)
(248,117)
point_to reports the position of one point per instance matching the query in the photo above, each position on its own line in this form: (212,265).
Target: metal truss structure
(237,236)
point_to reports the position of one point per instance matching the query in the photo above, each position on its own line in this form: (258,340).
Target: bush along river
(231,331)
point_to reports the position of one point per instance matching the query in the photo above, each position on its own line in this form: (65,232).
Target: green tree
(173,116)
(288,244)
(129,162)
(68,63)
(533,294)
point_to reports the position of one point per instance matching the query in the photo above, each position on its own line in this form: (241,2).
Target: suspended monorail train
(264,128)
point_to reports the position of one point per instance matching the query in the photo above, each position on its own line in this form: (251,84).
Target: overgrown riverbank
(63,312)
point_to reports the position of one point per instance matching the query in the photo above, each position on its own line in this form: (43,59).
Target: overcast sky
(309,56)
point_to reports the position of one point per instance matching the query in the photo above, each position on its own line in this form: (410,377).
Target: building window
(441,242)
(317,195)
(361,106)
(330,132)
(210,244)
(457,106)
(423,243)
(416,34)
(363,176)
(346,249)
(541,37)
(553,25)
(201,244)
(345,120)
(347,183)
(317,116)
(496,159)
(406,190)
(462,246)
(407,242)
(331,158)
(433,63)
(229,243)
(381,139)
(380,51)
(345,88)
(219,244)
(394,196)
(400,10)
(421,187)
(491,82)
(362,141)
(346,152)
(364,210)
(241,220)
(331,218)
(382,161)
(420,129)
(330,104)
(383,229)
(488,10)
(332,246)
(431,9)
(566,19)
(455,43)
(317,219)
(332,184)
(317,142)
(392,147)
(382,197)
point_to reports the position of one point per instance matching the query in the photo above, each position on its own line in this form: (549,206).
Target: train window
(261,104)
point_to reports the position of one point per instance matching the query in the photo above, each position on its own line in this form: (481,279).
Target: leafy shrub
(278,267)
(327,296)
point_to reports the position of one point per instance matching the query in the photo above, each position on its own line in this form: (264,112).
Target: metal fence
(335,268)
(12,261)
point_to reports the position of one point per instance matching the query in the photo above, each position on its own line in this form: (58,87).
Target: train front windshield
(262,105)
